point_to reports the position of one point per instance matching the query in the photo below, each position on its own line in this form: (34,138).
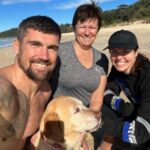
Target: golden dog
(63,122)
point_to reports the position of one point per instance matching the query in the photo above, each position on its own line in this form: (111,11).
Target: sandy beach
(141,30)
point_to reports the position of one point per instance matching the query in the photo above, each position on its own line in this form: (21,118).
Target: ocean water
(6,42)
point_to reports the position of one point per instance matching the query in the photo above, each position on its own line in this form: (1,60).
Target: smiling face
(85,32)
(37,54)
(123,60)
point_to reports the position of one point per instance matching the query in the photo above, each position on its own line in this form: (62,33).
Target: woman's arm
(97,95)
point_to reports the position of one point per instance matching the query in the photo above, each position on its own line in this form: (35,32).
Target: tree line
(123,14)
(128,13)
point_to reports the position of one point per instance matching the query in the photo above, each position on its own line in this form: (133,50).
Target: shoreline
(141,30)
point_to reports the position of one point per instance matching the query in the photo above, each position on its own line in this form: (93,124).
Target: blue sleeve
(136,132)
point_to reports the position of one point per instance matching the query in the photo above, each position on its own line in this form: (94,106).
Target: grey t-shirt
(71,78)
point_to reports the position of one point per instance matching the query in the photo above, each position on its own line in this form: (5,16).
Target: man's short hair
(41,23)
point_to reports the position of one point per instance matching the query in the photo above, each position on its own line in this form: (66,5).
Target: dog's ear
(53,127)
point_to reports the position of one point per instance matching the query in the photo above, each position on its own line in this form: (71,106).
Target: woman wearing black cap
(128,122)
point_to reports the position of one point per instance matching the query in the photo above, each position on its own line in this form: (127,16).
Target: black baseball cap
(123,39)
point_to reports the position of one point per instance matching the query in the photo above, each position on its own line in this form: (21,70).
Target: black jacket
(134,129)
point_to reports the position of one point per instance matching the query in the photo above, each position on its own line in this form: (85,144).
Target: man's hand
(83,141)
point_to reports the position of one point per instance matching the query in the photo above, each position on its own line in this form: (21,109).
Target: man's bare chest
(37,107)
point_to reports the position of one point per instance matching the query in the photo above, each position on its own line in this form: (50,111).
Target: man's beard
(36,76)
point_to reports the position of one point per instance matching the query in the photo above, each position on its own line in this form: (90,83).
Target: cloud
(76,3)
(7,2)
(67,4)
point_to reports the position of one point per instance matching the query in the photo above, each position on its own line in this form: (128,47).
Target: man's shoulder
(4,82)
(5,72)
(14,110)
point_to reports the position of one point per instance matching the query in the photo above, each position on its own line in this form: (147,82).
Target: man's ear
(16,45)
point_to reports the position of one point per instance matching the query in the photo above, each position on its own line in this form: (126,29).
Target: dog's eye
(77,110)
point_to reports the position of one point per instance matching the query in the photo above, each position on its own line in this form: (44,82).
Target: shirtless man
(24,90)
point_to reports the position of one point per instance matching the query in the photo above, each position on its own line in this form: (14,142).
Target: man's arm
(14,110)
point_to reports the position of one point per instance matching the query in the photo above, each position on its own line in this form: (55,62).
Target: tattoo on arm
(14,110)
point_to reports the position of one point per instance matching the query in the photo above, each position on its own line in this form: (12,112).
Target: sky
(12,12)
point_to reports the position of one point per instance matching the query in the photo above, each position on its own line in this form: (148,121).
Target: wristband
(115,103)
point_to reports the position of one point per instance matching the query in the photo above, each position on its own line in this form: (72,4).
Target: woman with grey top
(81,71)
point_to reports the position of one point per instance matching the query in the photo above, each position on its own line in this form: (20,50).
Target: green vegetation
(123,14)
(9,33)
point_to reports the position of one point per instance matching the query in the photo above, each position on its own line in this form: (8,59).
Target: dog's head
(65,115)
(68,114)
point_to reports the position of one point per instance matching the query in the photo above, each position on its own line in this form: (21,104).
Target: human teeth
(40,65)
(120,62)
